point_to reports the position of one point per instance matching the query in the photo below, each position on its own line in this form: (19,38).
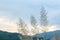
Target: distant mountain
(48,35)
(14,36)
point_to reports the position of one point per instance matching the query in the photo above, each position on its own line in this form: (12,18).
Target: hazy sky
(13,9)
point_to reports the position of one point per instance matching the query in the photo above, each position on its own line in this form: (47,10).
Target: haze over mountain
(11,26)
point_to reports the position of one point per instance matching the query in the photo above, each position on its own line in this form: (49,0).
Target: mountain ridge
(15,36)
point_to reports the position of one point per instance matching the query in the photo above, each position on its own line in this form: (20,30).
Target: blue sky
(13,9)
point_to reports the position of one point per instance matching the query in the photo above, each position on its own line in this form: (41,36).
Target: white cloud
(6,21)
(8,25)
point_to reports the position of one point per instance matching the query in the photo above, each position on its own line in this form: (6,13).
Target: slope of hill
(49,35)
(14,36)
(8,36)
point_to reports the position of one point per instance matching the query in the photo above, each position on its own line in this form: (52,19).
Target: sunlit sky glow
(11,10)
